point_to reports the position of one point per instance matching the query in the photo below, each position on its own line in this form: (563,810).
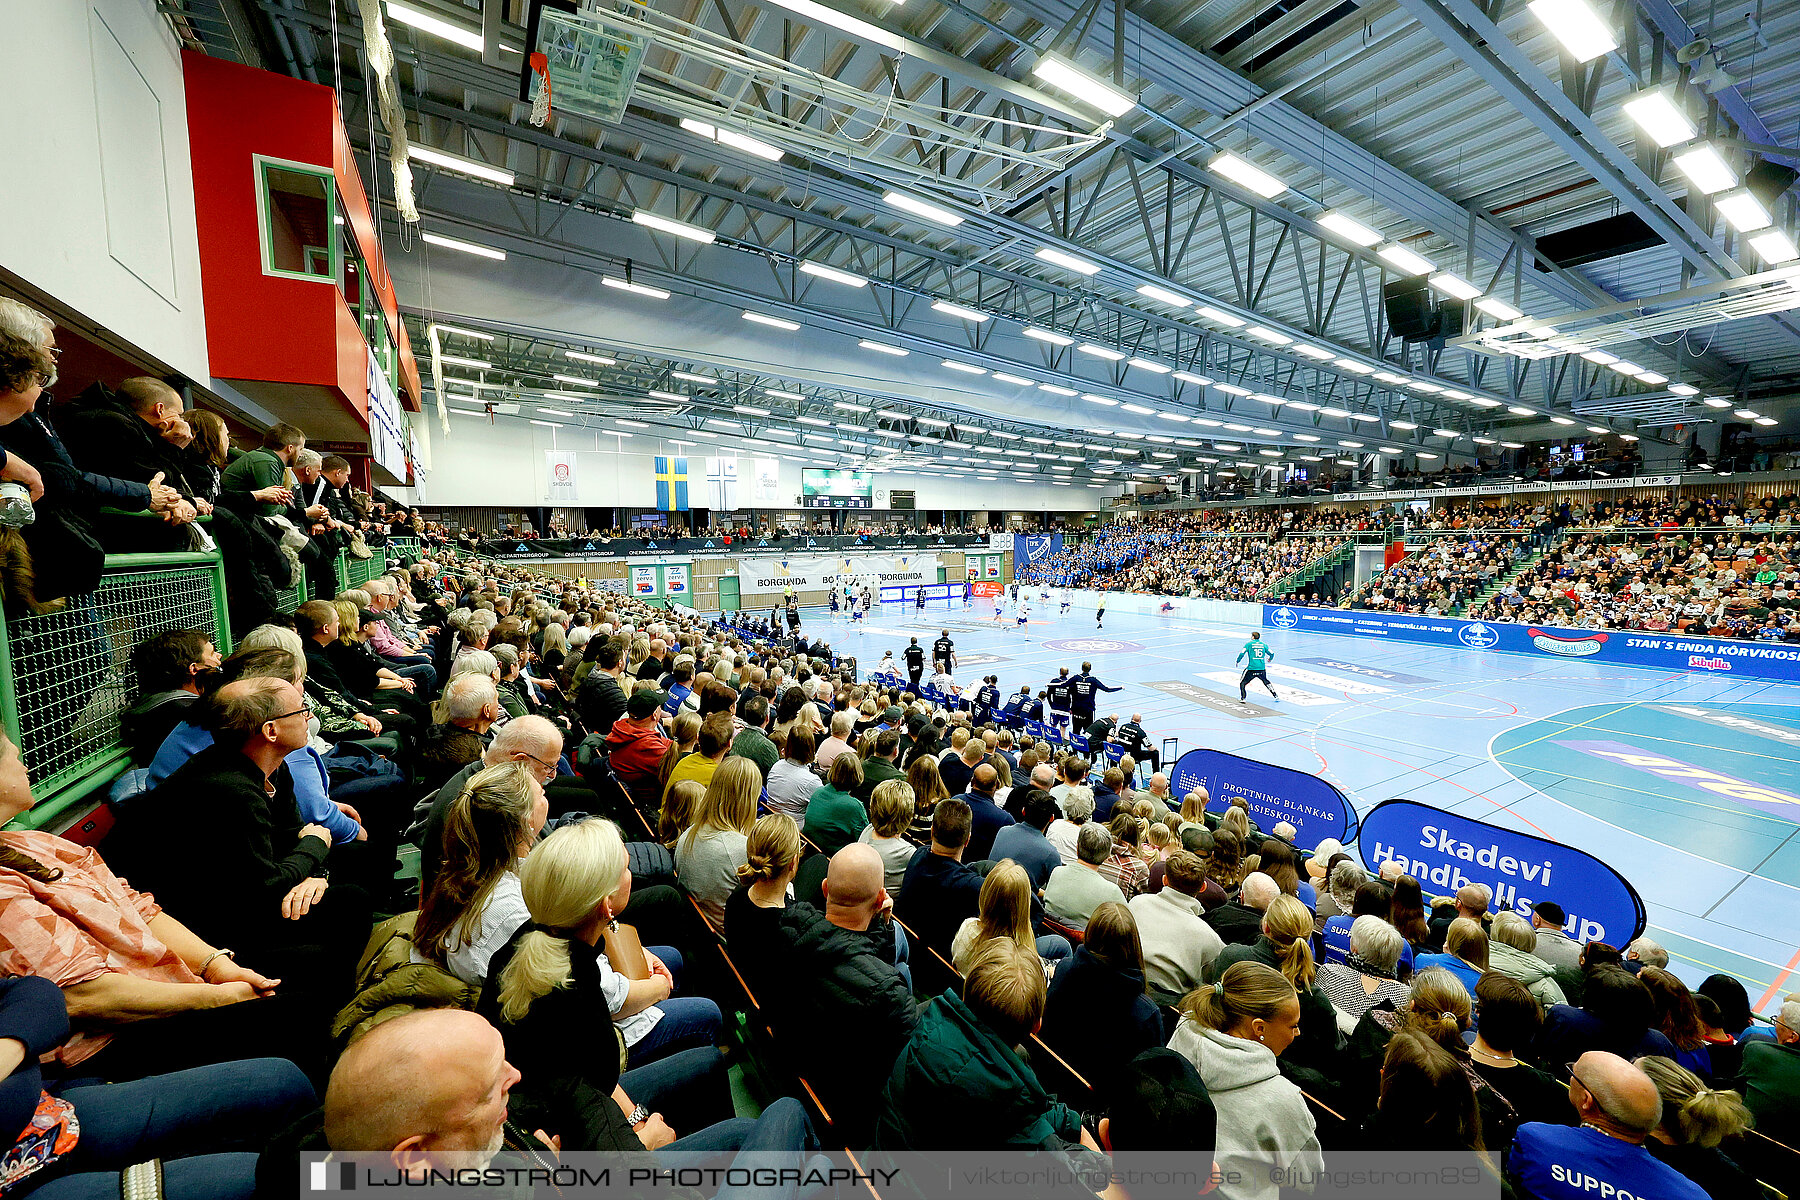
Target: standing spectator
(260,474)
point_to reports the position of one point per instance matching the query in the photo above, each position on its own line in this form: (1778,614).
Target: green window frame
(266,169)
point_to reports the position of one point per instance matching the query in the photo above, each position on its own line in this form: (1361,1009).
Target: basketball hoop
(540,101)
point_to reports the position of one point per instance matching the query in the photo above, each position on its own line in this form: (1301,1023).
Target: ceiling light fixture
(965,368)
(450,243)
(1744,211)
(1079,265)
(880,348)
(1706,169)
(1220,318)
(1146,364)
(821,271)
(681,229)
(1046,335)
(636,289)
(457,360)
(464,166)
(1163,295)
(772,322)
(951,309)
(1405,260)
(1581,31)
(1106,352)
(1454,285)
(922,208)
(425,22)
(1658,115)
(1775,247)
(1498,309)
(1348,228)
(1057,389)
(1190,377)
(1246,175)
(1065,76)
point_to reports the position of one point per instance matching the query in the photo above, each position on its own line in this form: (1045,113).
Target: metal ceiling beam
(1667,20)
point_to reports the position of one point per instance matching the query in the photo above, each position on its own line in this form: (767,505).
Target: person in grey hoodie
(1512,951)
(1232,1032)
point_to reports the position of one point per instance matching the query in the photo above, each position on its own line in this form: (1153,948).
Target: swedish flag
(671,484)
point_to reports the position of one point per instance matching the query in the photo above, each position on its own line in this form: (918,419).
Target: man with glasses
(530,739)
(1617,1106)
(1771,1077)
(221,839)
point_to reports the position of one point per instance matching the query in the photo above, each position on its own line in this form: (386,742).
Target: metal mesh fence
(288,599)
(72,673)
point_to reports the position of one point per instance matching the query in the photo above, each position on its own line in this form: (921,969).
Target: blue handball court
(1681,777)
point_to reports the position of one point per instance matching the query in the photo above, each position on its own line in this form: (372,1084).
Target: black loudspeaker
(1410,310)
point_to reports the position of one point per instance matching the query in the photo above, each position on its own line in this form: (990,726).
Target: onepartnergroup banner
(1614,647)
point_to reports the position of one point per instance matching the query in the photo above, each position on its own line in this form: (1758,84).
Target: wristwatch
(639,1115)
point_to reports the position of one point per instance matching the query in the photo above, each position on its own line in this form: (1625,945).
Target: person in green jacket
(1256,658)
(260,472)
(959,1084)
(834,816)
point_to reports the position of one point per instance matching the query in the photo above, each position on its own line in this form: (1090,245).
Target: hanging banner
(765,484)
(722,483)
(1444,851)
(1315,808)
(972,567)
(1033,549)
(645,581)
(561,465)
(675,581)
(815,572)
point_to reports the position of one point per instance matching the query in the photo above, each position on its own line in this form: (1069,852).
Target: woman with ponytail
(1695,1119)
(1286,945)
(1426,1102)
(474,904)
(552,986)
(1232,1031)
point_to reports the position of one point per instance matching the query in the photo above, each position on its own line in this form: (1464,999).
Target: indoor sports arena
(900,599)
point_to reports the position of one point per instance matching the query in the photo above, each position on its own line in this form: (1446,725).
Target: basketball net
(540,102)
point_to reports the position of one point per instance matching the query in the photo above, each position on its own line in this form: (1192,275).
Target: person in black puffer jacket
(839,973)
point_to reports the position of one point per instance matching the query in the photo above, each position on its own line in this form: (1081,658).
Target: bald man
(845,1005)
(1616,1106)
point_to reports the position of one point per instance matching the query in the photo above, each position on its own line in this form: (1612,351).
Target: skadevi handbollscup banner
(1614,647)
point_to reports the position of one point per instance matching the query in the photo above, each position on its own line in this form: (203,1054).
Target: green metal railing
(66,676)
(288,599)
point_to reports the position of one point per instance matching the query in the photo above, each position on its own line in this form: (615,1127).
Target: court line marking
(1792,964)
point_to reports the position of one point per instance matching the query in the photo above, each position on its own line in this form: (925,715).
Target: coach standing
(943,653)
(1084,690)
(915,665)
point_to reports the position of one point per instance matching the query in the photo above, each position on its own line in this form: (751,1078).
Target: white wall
(502,465)
(99,190)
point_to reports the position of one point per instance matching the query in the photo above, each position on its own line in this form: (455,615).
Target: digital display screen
(822,487)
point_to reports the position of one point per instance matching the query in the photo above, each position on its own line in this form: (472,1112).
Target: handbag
(626,952)
(359,548)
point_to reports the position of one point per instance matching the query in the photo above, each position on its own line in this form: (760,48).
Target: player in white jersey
(999,604)
(856,609)
(1024,612)
(1065,603)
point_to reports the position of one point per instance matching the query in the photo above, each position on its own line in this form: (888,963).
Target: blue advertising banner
(1617,647)
(1444,851)
(1032,549)
(1315,808)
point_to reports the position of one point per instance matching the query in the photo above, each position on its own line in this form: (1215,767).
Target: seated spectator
(792,781)
(474,904)
(1373,898)
(1644,952)
(1407,913)
(1277,862)
(839,741)
(711,850)
(939,892)
(1771,1077)
(1159,1106)
(1024,841)
(600,700)
(533,742)
(1615,1015)
(1465,952)
(714,744)
(882,764)
(1618,1107)
(834,816)
(145,995)
(1426,1100)
(1471,903)
(987,817)
(169,669)
(1126,866)
(1239,922)
(556,972)
(1073,893)
(1004,908)
(1367,976)
(73,1141)
(471,707)
(958,768)
(1695,1119)
(1285,944)
(1101,987)
(222,837)
(1078,809)
(1178,945)
(752,741)
(1721,1048)
(890,816)
(1512,951)
(753,914)
(1675,1014)
(1507,1019)
(1733,1001)
(1233,1032)
(959,1082)
(1553,945)
(635,746)
(836,972)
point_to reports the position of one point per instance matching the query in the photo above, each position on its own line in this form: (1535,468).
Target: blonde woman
(1286,945)
(890,815)
(1004,910)
(548,985)
(1233,1030)
(753,914)
(709,853)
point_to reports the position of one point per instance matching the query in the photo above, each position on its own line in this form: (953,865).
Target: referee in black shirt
(915,665)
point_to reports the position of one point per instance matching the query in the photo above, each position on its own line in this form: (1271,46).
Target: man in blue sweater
(1617,1106)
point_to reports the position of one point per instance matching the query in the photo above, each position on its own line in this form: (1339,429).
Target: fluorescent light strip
(1247,175)
(457,360)
(461,332)
(426,22)
(917,207)
(881,348)
(821,271)
(1405,260)
(1079,265)
(680,229)
(1163,295)
(691,377)
(662,395)
(778,394)
(1583,34)
(1706,169)
(1190,377)
(1499,309)
(1454,286)
(1744,211)
(1657,114)
(1057,389)
(1015,380)
(773,322)
(576,379)
(951,309)
(583,356)
(966,368)
(450,243)
(1151,365)
(1064,75)
(1314,352)
(1220,318)
(1106,352)
(1348,228)
(1268,335)
(465,166)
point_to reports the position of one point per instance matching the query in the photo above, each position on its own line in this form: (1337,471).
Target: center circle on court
(1093,646)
